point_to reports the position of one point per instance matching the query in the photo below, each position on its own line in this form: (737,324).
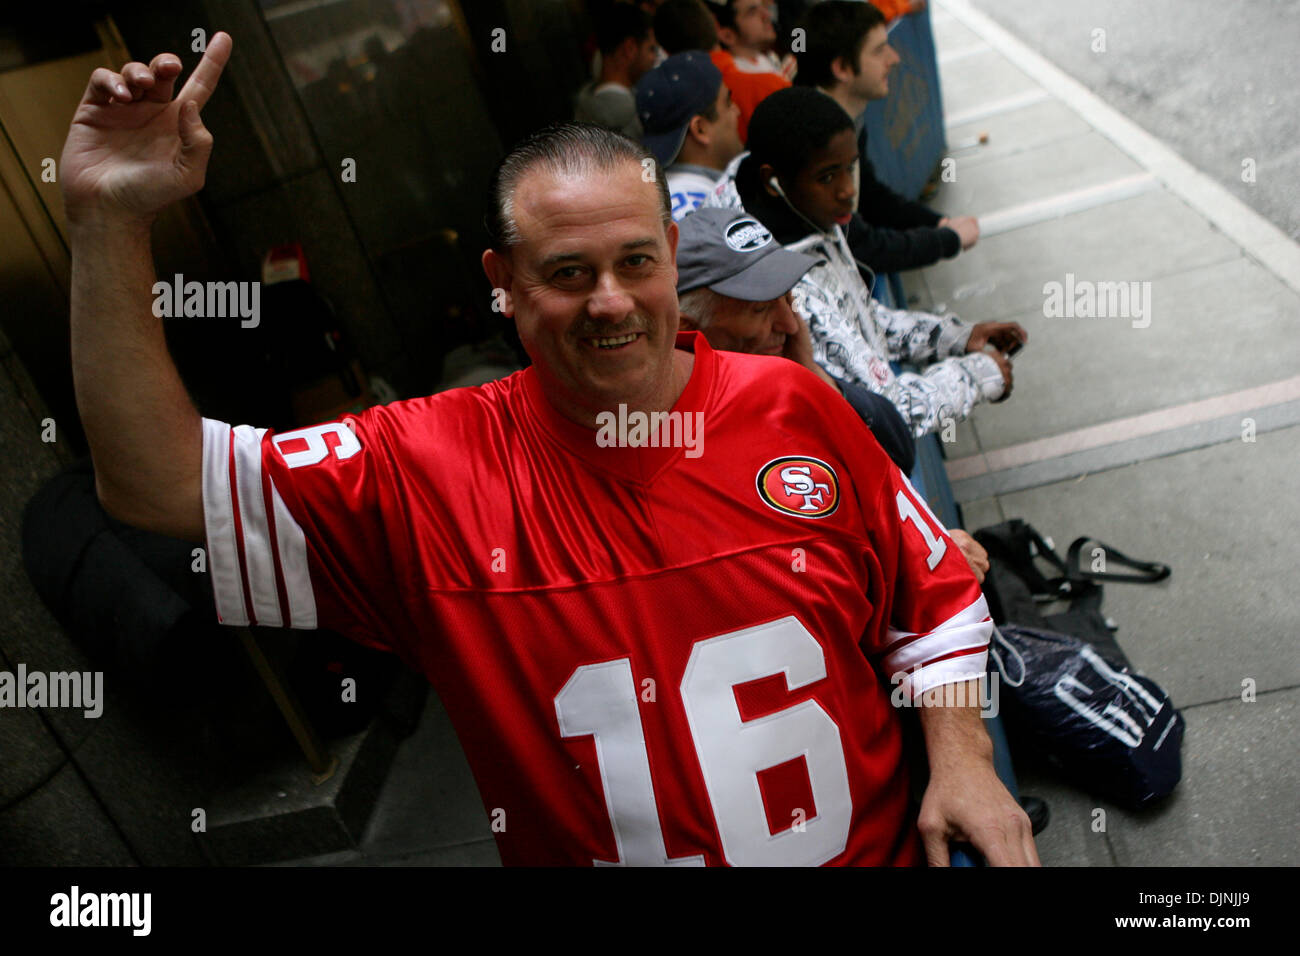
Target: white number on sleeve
(907,510)
(316,449)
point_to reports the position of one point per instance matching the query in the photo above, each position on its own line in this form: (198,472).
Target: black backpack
(1069,687)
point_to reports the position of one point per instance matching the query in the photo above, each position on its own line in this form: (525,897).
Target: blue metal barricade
(905,141)
(930,479)
(905,131)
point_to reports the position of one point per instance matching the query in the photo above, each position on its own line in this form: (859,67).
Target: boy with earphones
(798,179)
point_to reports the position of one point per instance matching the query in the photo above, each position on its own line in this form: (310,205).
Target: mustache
(592,329)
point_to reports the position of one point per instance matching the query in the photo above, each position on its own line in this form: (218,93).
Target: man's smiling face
(592,286)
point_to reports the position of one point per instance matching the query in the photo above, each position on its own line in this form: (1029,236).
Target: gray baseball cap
(733,254)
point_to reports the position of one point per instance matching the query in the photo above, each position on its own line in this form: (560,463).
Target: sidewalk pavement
(1166,431)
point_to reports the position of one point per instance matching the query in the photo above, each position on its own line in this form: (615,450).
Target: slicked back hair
(834,29)
(570,149)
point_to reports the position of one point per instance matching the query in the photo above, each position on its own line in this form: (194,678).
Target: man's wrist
(96,221)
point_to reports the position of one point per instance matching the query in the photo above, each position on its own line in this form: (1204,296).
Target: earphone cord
(871,281)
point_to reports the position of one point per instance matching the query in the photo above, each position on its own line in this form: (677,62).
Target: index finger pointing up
(203,81)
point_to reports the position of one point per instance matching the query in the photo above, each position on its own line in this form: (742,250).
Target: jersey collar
(637,464)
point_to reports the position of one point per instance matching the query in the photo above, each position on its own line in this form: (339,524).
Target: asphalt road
(1217,80)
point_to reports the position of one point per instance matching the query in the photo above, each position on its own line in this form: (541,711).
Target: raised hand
(799,348)
(132,149)
(798,344)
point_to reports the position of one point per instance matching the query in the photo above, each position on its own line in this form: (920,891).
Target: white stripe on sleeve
(254,527)
(219,524)
(968,629)
(248,540)
(954,670)
(292,546)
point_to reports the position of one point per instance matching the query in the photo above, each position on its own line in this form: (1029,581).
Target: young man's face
(753,28)
(824,189)
(592,286)
(875,60)
(758,328)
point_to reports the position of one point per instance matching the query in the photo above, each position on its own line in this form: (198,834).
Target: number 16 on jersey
(600,700)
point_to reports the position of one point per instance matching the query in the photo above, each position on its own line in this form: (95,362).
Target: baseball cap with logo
(733,254)
(670,96)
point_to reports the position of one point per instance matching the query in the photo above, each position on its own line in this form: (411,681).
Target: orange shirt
(747,89)
(892,9)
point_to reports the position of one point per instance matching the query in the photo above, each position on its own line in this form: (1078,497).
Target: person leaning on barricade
(797,179)
(544,577)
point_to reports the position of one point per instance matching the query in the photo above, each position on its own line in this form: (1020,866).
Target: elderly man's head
(736,282)
(584,257)
(738,325)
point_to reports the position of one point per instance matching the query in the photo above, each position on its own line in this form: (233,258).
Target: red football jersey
(652,655)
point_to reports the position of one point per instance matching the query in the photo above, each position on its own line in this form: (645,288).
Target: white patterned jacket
(855,337)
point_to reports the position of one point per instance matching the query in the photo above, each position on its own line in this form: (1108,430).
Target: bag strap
(1062,587)
(1017,546)
(1149,571)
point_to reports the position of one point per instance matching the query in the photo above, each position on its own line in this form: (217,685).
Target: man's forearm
(145,435)
(954,734)
(965,799)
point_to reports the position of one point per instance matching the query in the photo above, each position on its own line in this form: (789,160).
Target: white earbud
(871,284)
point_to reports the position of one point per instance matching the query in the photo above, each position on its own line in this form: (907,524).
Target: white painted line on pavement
(996,108)
(1065,204)
(1123,429)
(956,56)
(1255,234)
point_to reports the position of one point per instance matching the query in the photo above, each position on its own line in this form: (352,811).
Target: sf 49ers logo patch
(795,485)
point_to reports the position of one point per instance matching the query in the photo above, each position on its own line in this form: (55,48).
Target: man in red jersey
(666,643)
